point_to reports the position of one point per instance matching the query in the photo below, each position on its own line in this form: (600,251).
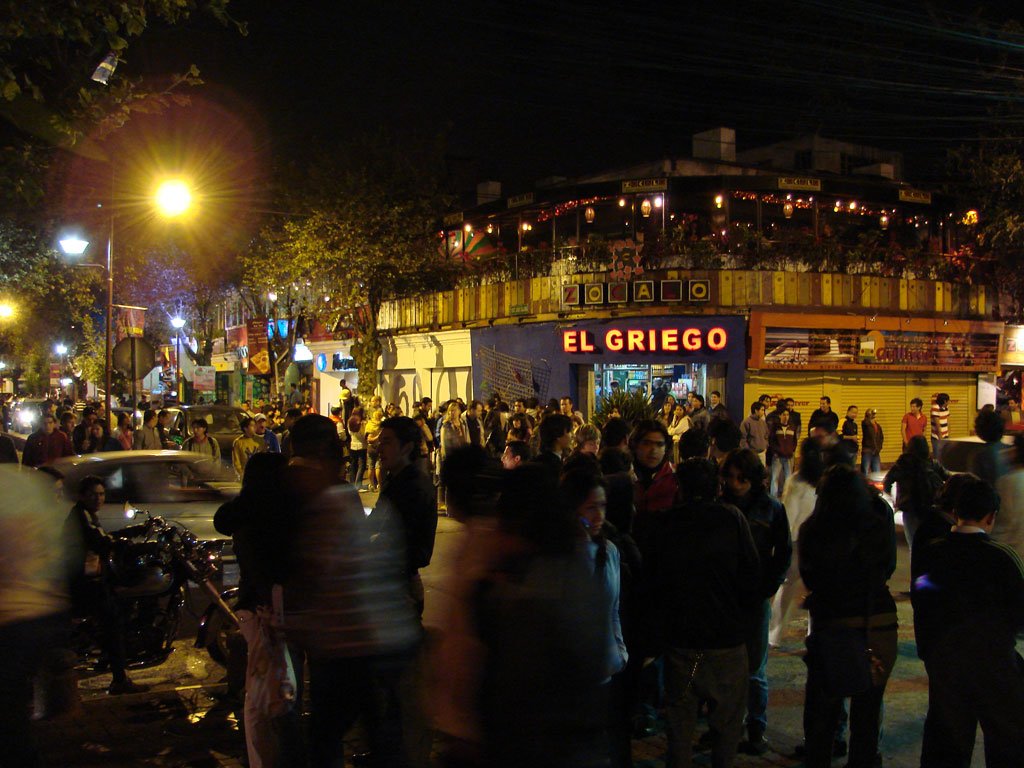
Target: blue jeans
(357,467)
(869,462)
(757,656)
(782,468)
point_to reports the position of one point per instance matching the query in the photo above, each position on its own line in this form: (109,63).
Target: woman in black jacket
(847,551)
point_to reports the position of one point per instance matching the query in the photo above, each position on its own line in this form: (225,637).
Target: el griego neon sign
(644,340)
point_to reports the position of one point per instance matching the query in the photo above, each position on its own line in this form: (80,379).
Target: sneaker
(755,746)
(126,686)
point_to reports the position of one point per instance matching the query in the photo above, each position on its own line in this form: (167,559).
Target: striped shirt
(940,421)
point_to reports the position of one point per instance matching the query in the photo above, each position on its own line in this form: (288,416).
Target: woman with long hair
(870,442)
(677,425)
(585,495)
(454,434)
(799,495)
(847,555)
(125,432)
(667,409)
(357,447)
(918,480)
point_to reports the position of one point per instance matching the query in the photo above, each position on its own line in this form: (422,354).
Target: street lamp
(172,198)
(178,323)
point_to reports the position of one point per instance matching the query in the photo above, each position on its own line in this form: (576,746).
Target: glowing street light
(61,349)
(73,245)
(6,310)
(173,198)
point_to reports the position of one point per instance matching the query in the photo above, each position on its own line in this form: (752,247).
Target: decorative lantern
(589,214)
(787,210)
(883,221)
(645,208)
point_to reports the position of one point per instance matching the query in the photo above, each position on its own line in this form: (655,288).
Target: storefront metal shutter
(885,392)
(805,387)
(889,393)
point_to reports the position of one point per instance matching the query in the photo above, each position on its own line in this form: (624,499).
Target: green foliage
(48,51)
(51,299)
(367,234)
(632,406)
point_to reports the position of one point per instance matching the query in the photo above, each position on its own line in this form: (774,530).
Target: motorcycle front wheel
(223,639)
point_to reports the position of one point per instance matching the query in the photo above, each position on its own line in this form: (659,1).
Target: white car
(176,485)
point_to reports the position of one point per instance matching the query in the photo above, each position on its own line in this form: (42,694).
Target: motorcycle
(150,569)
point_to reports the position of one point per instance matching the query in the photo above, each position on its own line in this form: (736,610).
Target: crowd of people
(608,573)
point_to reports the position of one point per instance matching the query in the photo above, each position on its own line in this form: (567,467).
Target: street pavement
(186,719)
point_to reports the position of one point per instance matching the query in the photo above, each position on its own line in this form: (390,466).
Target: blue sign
(321,362)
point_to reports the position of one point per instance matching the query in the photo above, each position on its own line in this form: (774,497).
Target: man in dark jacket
(90,586)
(824,418)
(969,605)
(46,444)
(406,512)
(555,435)
(702,575)
(744,486)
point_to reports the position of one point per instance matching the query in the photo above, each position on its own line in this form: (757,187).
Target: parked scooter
(150,570)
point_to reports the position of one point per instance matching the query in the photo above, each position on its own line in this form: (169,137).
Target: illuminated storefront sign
(576,341)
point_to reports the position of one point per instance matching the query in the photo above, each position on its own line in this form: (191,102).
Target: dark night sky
(532,89)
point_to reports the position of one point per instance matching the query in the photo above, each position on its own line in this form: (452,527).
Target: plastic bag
(271,677)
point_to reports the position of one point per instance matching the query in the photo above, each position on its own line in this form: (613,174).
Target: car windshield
(219,421)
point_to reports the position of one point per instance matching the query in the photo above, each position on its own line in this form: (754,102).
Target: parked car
(185,487)
(225,423)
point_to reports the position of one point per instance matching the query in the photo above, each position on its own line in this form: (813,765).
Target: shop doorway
(658,380)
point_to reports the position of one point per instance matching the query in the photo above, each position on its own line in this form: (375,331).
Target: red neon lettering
(652,340)
(585,344)
(717,338)
(691,339)
(613,340)
(670,340)
(635,340)
(569,341)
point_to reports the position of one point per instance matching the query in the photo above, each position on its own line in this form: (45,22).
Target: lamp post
(178,323)
(75,246)
(172,199)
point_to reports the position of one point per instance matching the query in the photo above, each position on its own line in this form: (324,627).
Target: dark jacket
(550,461)
(968,598)
(260,523)
(540,698)
(407,512)
(701,577)
(769,527)
(827,421)
(782,440)
(846,567)
(871,436)
(917,481)
(8,453)
(41,448)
